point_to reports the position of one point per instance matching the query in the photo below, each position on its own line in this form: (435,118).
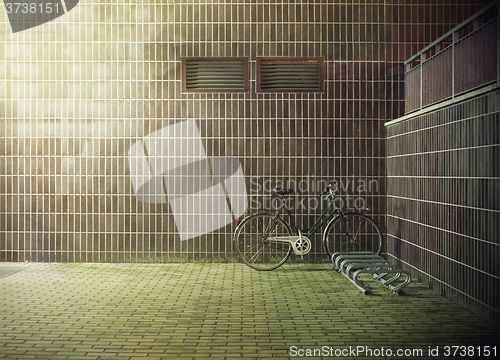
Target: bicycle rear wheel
(352,232)
(254,250)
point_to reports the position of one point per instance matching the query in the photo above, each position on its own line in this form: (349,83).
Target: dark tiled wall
(66,193)
(443,186)
(75,94)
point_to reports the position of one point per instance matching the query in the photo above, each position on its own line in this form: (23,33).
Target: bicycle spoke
(255,255)
(358,230)
(254,250)
(352,232)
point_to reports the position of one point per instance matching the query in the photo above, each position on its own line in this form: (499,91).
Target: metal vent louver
(290,75)
(215,74)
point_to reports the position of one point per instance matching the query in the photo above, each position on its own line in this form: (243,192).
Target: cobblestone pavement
(224,311)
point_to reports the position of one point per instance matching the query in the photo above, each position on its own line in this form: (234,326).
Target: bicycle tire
(364,234)
(251,247)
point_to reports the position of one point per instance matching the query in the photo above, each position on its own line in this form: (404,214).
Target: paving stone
(192,311)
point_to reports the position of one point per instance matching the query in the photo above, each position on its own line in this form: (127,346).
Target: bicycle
(264,240)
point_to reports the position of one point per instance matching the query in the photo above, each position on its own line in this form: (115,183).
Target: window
(215,74)
(290,74)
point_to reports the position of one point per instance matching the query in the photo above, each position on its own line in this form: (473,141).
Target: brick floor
(186,311)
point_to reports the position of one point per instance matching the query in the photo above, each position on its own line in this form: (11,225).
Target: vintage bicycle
(264,239)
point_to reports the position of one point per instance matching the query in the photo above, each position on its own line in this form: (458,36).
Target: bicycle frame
(320,221)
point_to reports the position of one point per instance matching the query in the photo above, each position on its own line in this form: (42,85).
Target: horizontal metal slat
(290,75)
(292,86)
(215,74)
(205,75)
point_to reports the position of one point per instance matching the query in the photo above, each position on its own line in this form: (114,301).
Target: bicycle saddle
(282,192)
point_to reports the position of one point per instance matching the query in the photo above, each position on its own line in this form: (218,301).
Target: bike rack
(353,263)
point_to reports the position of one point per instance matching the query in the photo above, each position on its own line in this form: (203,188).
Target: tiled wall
(443,186)
(77,92)
(460,61)
(443,183)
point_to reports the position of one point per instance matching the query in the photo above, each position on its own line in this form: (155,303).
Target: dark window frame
(246,77)
(321,73)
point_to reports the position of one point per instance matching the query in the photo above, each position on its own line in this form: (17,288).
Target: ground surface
(126,311)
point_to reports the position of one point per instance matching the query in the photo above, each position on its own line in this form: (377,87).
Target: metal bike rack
(353,263)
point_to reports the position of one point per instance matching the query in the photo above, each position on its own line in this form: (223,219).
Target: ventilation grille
(215,74)
(290,74)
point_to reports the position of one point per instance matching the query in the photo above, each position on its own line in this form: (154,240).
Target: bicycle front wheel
(254,250)
(352,232)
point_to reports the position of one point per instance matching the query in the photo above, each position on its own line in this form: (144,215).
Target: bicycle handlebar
(328,188)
